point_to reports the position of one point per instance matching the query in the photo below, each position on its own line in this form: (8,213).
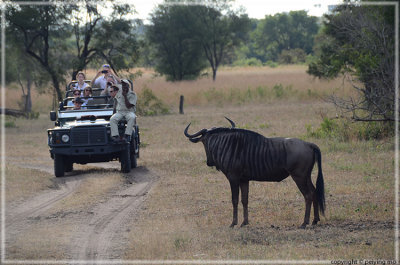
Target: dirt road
(97,233)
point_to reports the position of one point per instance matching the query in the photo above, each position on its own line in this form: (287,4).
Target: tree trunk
(214,70)
(28,98)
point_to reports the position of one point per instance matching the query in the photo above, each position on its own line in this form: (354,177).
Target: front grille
(88,136)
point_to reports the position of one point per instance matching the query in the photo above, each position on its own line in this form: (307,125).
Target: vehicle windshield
(88,103)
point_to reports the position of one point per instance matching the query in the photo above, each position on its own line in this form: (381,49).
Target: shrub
(271,64)
(150,105)
(248,62)
(345,130)
(292,56)
(10,122)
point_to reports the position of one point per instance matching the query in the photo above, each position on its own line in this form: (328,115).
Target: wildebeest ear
(231,122)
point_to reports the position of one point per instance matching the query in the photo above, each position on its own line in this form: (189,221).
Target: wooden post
(181,104)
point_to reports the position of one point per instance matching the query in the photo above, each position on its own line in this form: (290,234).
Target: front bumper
(90,154)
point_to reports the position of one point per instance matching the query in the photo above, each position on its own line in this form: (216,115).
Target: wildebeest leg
(244,189)
(311,188)
(301,183)
(316,212)
(235,202)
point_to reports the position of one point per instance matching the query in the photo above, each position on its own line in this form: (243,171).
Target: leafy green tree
(107,39)
(186,36)
(21,70)
(283,31)
(177,53)
(358,41)
(39,28)
(219,30)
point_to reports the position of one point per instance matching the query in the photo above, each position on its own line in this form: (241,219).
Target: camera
(104,71)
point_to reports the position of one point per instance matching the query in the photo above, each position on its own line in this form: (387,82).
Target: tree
(110,39)
(219,33)
(177,53)
(37,28)
(187,35)
(284,31)
(358,41)
(20,69)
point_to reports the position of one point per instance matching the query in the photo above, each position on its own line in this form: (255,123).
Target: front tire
(59,165)
(125,160)
(69,166)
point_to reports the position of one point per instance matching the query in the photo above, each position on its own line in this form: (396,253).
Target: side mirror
(53,115)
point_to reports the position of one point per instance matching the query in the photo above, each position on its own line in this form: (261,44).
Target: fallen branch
(15,113)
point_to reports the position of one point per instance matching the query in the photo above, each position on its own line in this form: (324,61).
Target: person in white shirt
(125,106)
(100,80)
(80,85)
(87,96)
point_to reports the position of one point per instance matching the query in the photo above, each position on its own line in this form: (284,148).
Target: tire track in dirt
(63,187)
(19,213)
(101,233)
(103,236)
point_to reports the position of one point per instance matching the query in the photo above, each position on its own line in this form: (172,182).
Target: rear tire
(59,165)
(133,156)
(125,160)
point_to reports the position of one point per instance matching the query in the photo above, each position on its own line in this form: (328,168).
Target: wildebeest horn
(193,135)
(231,122)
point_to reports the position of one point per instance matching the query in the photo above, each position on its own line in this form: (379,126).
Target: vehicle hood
(72,124)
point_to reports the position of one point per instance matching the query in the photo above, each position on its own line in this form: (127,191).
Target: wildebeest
(244,155)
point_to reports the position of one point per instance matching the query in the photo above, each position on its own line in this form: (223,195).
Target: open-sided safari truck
(83,136)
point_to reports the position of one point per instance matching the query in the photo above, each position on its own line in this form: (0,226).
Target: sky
(255,8)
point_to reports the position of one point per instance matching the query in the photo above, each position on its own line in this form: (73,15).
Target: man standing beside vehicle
(101,81)
(125,107)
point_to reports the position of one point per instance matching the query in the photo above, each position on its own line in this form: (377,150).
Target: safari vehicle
(83,136)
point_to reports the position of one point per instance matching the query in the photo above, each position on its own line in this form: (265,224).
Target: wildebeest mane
(224,148)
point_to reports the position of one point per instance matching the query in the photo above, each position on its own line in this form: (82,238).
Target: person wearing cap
(125,106)
(78,103)
(100,80)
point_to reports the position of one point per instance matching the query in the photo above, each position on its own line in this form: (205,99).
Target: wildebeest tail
(320,182)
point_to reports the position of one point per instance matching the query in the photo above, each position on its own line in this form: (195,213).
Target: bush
(271,64)
(248,62)
(345,130)
(149,104)
(10,122)
(293,56)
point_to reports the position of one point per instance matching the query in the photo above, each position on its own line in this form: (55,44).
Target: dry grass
(188,211)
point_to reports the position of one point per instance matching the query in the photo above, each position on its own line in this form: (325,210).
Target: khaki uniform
(123,112)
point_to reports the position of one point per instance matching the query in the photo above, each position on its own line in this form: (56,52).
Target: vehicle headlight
(65,138)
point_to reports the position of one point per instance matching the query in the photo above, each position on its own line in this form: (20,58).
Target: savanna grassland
(188,210)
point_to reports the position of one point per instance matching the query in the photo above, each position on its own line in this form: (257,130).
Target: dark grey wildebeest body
(243,155)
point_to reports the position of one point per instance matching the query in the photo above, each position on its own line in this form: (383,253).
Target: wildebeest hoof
(244,223)
(232,225)
(315,222)
(303,226)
